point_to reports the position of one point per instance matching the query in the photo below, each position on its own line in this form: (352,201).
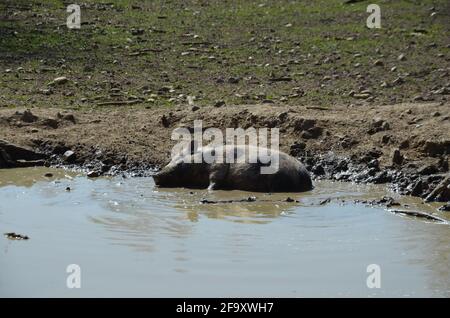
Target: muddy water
(131,239)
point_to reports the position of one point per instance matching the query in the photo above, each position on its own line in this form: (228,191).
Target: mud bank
(406,146)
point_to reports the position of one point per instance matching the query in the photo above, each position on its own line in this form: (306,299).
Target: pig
(191,171)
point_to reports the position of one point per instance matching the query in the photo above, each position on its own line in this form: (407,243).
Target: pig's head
(183,171)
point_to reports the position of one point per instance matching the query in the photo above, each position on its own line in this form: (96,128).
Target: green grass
(247,41)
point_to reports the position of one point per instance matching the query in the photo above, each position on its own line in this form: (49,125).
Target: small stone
(404,144)
(233,80)
(436,114)
(195,108)
(46,91)
(361,96)
(15,236)
(28,117)
(50,122)
(428,169)
(219,103)
(68,189)
(93,174)
(137,31)
(59,81)
(378,63)
(401,57)
(398,81)
(69,156)
(69,117)
(397,157)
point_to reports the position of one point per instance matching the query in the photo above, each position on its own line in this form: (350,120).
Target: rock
(59,81)
(318,170)
(401,57)
(441,192)
(435,148)
(195,108)
(386,139)
(436,114)
(362,96)
(5,160)
(374,163)
(68,189)
(388,201)
(15,236)
(137,31)
(21,163)
(404,144)
(12,155)
(378,125)
(219,103)
(381,177)
(301,124)
(46,91)
(28,117)
(445,208)
(233,80)
(378,63)
(314,132)
(165,121)
(69,156)
(50,122)
(69,117)
(397,157)
(427,170)
(399,80)
(297,148)
(443,164)
(93,174)
(416,188)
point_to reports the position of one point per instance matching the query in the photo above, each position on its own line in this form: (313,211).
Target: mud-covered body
(290,175)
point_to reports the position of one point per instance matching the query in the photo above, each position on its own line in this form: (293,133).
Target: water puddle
(133,240)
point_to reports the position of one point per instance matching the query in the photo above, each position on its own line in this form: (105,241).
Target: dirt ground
(144,135)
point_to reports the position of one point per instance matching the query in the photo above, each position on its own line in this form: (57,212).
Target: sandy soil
(143,135)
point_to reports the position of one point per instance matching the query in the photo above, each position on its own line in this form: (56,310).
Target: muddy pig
(197,170)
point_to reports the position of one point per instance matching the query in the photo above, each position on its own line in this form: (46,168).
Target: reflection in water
(163,242)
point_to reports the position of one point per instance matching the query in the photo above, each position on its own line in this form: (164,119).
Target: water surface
(131,239)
